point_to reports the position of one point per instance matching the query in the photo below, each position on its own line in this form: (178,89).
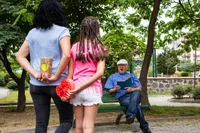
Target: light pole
(154,74)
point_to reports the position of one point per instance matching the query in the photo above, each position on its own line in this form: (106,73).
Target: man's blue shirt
(112,82)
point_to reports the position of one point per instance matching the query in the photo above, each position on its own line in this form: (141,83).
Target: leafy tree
(121,45)
(166,62)
(10,40)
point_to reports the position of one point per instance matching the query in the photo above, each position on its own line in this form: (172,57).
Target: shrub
(6,77)
(178,92)
(196,93)
(2,81)
(13,85)
(184,74)
(188,90)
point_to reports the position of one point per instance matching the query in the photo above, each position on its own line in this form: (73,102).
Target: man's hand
(129,89)
(117,87)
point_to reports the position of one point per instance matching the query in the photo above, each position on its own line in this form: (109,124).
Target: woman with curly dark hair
(48,39)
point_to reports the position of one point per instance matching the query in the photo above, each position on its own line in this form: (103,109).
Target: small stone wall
(162,84)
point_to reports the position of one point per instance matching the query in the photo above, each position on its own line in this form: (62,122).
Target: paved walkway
(157,125)
(3,92)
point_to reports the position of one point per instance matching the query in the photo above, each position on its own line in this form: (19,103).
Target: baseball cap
(122,61)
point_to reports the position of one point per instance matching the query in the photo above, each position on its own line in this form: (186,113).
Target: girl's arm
(22,60)
(96,76)
(65,46)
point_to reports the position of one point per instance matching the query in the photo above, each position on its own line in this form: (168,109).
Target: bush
(178,92)
(196,93)
(6,77)
(184,74)
(13,85)
(188,89)
(2,81)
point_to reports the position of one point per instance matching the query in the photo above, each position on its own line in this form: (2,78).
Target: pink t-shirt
(84,71)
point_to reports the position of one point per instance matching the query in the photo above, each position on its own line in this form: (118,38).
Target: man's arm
(137,85)
(133,89)
(113,90)
(110,85)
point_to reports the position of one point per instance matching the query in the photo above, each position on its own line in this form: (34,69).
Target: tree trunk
(149,52)
(21,104)
(20,81)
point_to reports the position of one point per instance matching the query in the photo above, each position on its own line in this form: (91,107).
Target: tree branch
(191,17)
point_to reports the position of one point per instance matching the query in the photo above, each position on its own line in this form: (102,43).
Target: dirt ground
(11,120)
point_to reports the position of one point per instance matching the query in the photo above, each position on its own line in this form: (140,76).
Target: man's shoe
(146,131)
(129,119)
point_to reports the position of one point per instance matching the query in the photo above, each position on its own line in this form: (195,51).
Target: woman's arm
(65,46)
(70,69)
(22,60)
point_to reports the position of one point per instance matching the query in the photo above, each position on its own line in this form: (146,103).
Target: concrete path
(168,101)
(3,92)
(156,125)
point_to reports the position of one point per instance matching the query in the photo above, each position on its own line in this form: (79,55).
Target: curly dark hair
(89,33)
(49,12)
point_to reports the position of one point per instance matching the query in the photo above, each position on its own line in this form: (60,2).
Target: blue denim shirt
(112,82)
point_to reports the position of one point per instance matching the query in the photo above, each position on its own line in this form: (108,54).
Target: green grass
(13,97)
(167,93)
(156,111)
(168,111)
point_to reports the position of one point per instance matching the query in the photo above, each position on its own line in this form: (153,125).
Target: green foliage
(6,77)
(121,45)
(13,85)
(196,93)
(166,62)
(184,74)
(2,81)
(178,91)
(189,89)
(188,67)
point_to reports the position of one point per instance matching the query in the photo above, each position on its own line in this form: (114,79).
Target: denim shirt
(112,82)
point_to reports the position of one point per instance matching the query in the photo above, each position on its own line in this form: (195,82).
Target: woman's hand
(37,76)
(52,78)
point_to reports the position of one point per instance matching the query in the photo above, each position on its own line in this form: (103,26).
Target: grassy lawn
(13,97)
(168,111)
(167,93)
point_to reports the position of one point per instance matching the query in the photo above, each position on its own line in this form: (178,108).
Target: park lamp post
(154,74)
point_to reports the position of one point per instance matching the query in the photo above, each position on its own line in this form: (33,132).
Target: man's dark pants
(41,96)
(132,102)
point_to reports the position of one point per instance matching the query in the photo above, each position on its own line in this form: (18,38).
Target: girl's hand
(72,93)
(64,99)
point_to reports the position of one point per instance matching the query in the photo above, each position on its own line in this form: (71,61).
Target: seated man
(128,97)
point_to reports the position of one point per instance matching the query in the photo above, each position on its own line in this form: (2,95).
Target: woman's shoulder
(60,27)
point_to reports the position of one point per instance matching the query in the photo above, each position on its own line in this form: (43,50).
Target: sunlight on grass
(167,93)
(13,97)
(167,111)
